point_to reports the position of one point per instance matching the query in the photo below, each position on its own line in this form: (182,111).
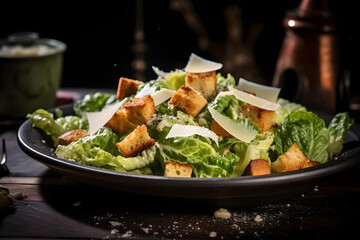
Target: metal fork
(3,168)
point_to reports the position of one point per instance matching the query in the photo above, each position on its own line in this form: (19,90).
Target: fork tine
(3,168)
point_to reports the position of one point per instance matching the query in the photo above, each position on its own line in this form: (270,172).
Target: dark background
(100,35)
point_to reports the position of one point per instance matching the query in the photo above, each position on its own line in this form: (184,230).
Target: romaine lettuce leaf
(224,82)
(228,105)
(100,150)
(93,102)
(308,131)
(72,122)
(166,109)
(286,107)
(164,123)
(257,149)
(204,118)
(173,80)
(197,153)
(338,128)
(45,121)
(104,138)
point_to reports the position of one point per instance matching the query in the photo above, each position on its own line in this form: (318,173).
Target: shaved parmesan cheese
(98,119)
(145,91)
(241,130)
(162,95)
(197,64)
(262,91)
(178,130)
(159,72)
(254,100)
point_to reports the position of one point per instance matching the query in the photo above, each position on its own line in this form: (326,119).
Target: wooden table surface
(53,206)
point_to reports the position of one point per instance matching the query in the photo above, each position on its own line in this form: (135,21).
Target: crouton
(292,159)
(262,118)
(119,123)
(310,164)
(127,87)
(174,169)
(135,142)
(140,110)
(257,167)
(188,100)
(205,82)
(216,128)
(72,136)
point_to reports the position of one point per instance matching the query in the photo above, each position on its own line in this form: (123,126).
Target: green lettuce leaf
(45,121)
(173,80)
(197,153)
(223,82)
(100,150)
(286,107)
(161,128)
(166,109)
(72,122)
(204,118)
(338,128)
(104,138)
(257,149)
(308,131)
(93,102)
(228,105)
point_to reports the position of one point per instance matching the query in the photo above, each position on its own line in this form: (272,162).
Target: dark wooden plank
(80,211)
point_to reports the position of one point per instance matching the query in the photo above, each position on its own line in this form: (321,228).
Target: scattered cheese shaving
(162,95)
(159,72)
(241,130)
(197,64)
(222,213)
(98,119)
(178,130)
(254,100)
(262,91)
(258,218)
(145,91)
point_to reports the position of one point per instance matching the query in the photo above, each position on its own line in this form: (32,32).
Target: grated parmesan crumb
(146,230)
(258,218)
(114,223)
(114,231)
(222,213)
(212,234)
(77,204)
(127,234)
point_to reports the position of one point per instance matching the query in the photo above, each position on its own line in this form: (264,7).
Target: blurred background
(106,41)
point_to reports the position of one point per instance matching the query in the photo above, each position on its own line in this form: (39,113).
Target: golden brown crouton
(72,136)
(140,110)
(135,142)
(262,118)
(310,164)
(205,82)
(127,87)
(257,167)
(292,159)
(175,169)
(119,123)
(216,128)
(188,100)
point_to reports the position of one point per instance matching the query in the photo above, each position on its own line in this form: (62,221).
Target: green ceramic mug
(30,73)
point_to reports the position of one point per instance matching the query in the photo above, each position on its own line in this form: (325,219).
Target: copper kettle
(309,60)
